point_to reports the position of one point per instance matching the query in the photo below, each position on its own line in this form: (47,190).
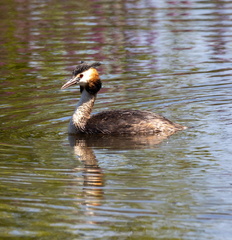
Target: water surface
(169,57)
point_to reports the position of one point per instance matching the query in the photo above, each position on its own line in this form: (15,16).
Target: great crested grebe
(115,122)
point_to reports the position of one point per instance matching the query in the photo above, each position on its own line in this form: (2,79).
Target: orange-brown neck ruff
(93,85)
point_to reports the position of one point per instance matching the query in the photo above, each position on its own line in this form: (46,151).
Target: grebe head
(86,76)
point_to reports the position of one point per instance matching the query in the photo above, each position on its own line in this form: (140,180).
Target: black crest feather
(83,66)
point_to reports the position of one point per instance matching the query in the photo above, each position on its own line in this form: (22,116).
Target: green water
(169,57)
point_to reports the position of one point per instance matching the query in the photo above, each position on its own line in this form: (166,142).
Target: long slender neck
(82,112)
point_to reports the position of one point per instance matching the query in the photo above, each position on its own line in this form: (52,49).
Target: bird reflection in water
(93,183)
(83,145)
(92,173)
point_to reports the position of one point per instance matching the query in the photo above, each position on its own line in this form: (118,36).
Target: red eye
(81,75)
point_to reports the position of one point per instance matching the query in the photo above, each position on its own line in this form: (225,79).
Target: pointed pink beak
(72,81)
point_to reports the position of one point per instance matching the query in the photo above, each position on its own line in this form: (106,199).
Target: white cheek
(84,79)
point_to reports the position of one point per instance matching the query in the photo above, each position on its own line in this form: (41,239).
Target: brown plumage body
(112,122)
(130,122)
